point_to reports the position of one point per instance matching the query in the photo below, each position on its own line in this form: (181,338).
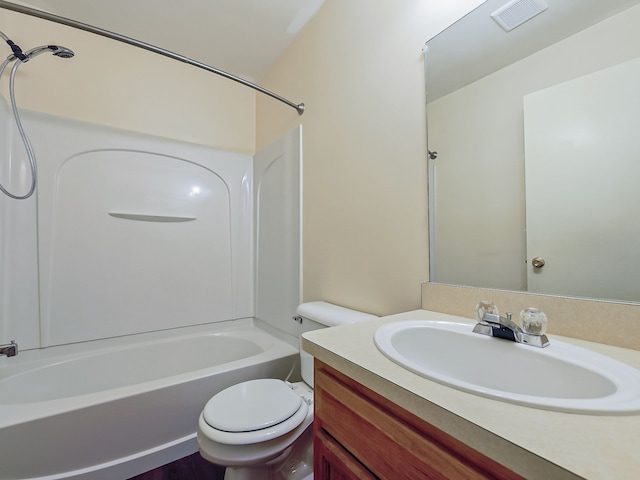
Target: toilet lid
(252,405)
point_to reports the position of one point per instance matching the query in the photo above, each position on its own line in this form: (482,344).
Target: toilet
(261,429)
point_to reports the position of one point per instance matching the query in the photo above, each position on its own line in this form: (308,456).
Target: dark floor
(193,467)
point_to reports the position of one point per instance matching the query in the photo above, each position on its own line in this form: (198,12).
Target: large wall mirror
(536,182)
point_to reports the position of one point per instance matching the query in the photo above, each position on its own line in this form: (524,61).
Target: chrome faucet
(9,350)
(493,325)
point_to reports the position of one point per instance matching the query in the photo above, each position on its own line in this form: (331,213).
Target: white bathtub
(112,409)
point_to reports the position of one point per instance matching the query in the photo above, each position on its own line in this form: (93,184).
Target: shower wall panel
(18,241)
(277,189)
(136,233)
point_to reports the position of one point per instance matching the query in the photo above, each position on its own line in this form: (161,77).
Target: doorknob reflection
(537,262)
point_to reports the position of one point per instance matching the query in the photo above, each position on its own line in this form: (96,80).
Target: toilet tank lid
(330,315)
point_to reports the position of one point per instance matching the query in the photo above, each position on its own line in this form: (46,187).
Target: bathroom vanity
(375,419)
(358,432)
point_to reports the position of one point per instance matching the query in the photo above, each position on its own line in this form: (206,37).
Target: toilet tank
(315,315)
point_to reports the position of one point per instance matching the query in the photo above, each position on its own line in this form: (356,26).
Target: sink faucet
(493,325)
(9,350)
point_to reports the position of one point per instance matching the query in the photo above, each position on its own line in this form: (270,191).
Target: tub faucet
(493,325)
(9,350)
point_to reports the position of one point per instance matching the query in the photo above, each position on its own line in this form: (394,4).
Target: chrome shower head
(63,52)
(56,50)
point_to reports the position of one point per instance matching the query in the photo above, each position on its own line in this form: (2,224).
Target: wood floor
(193,467)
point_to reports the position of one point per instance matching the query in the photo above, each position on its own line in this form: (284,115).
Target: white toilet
(260,429)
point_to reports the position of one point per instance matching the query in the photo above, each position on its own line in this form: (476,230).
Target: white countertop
(537,444)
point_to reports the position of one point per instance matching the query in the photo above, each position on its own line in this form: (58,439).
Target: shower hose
(23,135)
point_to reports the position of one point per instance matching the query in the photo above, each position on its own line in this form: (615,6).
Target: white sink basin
(560,377)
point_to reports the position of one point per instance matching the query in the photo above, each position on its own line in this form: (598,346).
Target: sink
(561,377)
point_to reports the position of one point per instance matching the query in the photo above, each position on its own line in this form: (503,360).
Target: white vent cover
(516,12)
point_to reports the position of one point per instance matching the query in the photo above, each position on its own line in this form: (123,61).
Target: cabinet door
(385,440)
(332,462)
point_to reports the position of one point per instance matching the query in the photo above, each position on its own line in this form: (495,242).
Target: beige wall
(114,84)
(358,67)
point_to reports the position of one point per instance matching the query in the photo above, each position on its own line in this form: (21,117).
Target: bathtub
(111,409)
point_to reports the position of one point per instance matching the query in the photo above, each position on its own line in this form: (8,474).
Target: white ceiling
(242,37)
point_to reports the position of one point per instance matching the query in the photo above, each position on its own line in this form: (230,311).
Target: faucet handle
(485,307)
(534,321)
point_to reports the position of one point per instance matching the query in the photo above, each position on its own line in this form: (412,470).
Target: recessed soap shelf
(151,218)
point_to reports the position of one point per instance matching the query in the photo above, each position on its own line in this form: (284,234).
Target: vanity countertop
(537,444)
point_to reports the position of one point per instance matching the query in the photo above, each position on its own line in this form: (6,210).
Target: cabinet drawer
(391,442)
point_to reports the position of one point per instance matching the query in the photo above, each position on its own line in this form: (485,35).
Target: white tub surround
(129,283)
(535,443)
(129,234)
(132,233)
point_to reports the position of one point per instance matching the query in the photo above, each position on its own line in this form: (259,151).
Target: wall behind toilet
(358,66)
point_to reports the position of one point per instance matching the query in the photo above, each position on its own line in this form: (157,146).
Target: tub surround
(535,443)
(143,267)
(63,284)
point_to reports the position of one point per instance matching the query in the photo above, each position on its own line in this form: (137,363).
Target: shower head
(56,50)
(63,52)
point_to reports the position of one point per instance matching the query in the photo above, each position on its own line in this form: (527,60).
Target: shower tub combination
(118,407)
(139,295)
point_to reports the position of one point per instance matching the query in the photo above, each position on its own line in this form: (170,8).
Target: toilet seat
(233,419)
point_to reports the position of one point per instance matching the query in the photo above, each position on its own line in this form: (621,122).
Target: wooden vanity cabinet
(359,434)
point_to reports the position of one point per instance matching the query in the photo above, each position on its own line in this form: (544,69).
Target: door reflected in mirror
(539,159)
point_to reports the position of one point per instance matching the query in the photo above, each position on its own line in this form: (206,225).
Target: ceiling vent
(516,12)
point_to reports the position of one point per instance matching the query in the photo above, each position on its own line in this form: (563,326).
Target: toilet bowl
(262,429)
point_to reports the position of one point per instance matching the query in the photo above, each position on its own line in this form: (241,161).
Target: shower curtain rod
(299,107)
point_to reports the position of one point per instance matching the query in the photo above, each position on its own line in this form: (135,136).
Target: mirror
(531,189)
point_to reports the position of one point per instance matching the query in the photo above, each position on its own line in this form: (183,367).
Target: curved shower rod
(299,107)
